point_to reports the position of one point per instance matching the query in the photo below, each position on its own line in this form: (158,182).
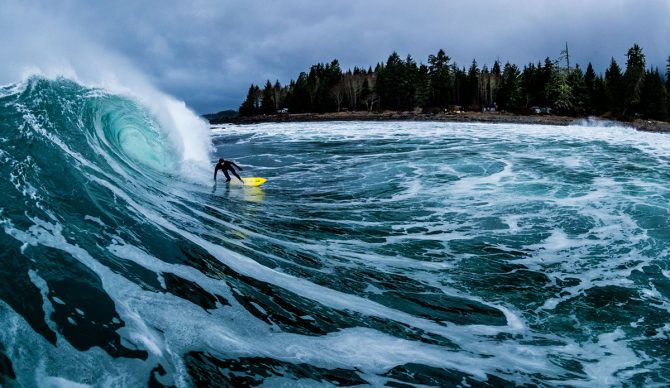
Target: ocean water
(378,253)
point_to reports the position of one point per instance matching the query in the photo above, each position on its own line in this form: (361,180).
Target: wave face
(377,253)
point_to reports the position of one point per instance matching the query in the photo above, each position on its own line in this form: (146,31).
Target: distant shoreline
(465,117)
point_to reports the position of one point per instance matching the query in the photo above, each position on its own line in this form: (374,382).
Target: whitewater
(378,253)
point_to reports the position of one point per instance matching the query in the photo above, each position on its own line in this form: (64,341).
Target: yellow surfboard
(249,181)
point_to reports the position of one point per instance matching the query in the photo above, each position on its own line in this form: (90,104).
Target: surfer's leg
(235,173)
(227,176)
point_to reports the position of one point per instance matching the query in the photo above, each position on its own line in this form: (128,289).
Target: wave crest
(102,126)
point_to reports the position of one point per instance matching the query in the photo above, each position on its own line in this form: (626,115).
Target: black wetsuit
(226,166)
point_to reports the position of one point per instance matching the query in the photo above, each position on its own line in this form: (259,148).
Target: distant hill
(222,117)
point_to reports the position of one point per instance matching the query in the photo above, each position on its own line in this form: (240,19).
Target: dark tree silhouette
(404,85)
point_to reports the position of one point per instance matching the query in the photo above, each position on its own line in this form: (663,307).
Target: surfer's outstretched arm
(238,167)
(216,169)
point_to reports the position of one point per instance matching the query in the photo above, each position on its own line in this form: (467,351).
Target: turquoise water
(384,253)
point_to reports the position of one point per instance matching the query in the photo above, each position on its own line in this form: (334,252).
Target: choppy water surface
(473,252)
(377,253)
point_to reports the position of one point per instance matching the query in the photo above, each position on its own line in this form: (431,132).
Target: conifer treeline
(440,85)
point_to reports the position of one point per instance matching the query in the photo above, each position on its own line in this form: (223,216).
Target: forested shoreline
(553,86)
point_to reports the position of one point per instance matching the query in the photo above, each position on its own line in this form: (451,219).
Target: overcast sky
(208,52)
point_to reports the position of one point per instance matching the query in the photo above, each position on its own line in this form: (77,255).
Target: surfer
(225,166)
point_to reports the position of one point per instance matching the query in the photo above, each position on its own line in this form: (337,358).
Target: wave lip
(98,123)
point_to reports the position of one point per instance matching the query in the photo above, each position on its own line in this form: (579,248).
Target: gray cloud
(207,52)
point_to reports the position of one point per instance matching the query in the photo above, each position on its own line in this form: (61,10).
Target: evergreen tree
(633,79)
(615,89)
(250,105)
(460,86)
(332,77)
(529,78)
(423,87)
(484,86)
(300,100)
(494,81)
(579,92)
(653,96)
(313,82)
(472,91)
(390,85)
(510,94)
(600,101)
(409,84)
(559,93)
(267,100)
(287,95)
(590,85)
(441,82)
(365,89)
(546,73)
(321,80)
(277,90)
